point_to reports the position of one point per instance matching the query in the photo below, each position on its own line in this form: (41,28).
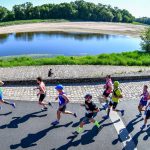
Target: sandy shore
(81,27)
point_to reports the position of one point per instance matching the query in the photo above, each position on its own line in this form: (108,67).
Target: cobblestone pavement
(131,91)
(69,72)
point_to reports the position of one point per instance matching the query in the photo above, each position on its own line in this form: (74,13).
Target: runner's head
(88,97)
(116,84)
(39,80)
(108,77)
(59,88)
(145,87)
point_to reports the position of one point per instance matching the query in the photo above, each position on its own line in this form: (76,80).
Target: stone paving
(69,72)
(131,91)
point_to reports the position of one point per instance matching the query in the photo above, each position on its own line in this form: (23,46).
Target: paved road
(27,127)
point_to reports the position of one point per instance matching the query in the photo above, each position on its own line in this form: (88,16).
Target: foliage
(145,44)
(135,58)
(78,10)
(144,20)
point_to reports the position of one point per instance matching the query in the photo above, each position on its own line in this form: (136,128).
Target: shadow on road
(86,138)
(18,120)
(31,139)
(6,114)
(130,128)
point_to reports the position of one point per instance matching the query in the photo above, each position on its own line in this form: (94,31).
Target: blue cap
(59,87)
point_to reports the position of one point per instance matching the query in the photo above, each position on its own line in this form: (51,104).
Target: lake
(68,44)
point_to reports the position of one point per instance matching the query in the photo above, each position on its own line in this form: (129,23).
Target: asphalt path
(27,127)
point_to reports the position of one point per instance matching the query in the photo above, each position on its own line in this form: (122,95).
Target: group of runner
(111,95)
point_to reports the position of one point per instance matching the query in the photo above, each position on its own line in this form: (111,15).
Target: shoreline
(77,27)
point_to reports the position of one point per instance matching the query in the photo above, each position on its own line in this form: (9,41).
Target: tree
(145,44)
(3,13)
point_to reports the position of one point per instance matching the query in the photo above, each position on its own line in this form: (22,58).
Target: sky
(138,8)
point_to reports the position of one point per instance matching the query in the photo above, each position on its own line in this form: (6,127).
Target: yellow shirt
(118,93)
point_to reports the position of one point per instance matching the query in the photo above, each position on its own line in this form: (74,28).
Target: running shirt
(145,95)
(61,99)
(116,92)
(90,106)
(108,85)
(42,88)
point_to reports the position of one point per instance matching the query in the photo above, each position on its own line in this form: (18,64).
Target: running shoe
(75,133)
(139,115)
(55,123)
(143,127)
(44,109)
(122,112)
(105,117)
(75,115)
(13,105)
(105,106)
(50,104)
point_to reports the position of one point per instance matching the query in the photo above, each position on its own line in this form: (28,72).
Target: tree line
(144,20)
(77,10)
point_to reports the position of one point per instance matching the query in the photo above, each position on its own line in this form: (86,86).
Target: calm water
(65,44)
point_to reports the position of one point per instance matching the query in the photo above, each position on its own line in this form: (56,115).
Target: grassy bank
(120,59)
(31,21)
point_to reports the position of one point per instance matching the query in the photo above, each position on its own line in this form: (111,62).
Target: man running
(91,109)
(143,101)
(116,95)
(63,101)
(147,113)
(108,89)
(42,93)
(2,101)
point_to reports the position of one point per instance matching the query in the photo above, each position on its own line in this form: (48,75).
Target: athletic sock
(79,130)
(97,124)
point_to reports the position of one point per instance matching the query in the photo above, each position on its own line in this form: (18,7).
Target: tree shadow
(6,114)
(18,120)
(86,138)
(124,135)
(31,139)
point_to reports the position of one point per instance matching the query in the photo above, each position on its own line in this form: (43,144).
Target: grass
(31,21)
(135,58)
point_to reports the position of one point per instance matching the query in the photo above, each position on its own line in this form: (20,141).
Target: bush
(145,44)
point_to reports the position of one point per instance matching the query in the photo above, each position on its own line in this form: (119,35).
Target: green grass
(135,58)
(31,21)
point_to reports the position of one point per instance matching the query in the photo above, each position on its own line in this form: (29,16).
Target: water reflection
(29,36)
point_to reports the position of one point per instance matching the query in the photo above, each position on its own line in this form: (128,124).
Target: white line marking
(125,137)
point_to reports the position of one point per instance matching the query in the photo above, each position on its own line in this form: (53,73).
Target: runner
(108,90)
(116,95)
(147,113)
(42,93)
(1,97)
(63,100)
(143,101)
(91,109)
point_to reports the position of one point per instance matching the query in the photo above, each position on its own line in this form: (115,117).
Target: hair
(146,86)
(108,76)
(39,79)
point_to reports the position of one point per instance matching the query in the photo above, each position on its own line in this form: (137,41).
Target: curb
(77,80)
